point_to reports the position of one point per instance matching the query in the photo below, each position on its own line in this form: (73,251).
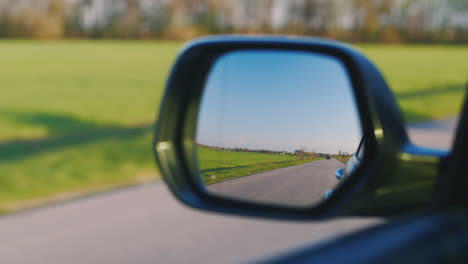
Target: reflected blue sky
(279,100)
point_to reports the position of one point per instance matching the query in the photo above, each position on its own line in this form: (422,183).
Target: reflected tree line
(349,20)
(301,154)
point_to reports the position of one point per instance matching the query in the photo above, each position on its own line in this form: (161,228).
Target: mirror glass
(277,127)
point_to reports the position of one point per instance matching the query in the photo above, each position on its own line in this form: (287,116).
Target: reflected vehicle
(350,167)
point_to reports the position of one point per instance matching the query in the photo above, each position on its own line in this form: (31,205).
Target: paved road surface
(299,186)
(146,225)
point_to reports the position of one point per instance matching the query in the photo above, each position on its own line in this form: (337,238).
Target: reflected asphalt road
(300,185)
(146,225)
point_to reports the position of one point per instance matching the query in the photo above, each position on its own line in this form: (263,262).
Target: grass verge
(218,166)
(224,174)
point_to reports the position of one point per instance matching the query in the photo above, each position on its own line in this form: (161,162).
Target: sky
(279,100)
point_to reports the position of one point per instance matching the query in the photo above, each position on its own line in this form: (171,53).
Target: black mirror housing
(381,122)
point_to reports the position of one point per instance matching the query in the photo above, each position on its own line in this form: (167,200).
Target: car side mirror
(248,125)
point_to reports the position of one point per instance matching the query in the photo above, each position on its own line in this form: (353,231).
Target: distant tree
(53,21)
(156,20)
(36,20)
(4,18)
(73,24)
(318,16)
(128,23)
(300,154)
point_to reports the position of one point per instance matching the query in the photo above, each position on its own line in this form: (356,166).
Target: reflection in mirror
(274,126)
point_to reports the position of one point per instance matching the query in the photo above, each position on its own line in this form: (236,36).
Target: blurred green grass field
(78,115)
(428,80)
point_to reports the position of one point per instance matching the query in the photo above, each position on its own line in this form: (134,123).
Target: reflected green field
(218,165)
(78,115)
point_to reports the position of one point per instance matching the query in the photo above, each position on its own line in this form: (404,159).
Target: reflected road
(301,185)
